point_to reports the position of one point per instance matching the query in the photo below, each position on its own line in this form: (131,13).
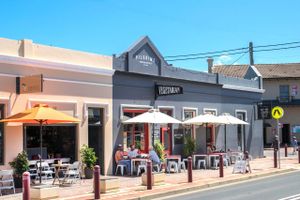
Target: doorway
(95,134)
(241,138)
(166,132)
(286,134)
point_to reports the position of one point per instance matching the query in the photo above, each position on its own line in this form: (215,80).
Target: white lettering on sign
(145,59)
(168,90)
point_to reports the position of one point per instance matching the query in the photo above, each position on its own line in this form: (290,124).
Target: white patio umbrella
(152,116)
(204,119)
(226,118)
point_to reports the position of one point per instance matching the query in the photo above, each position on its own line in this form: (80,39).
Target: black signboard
(163,90)
(264,111)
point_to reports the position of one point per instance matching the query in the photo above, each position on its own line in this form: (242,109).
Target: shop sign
(163,90)
(145,59)
(29,84)
(264,111)
(294,90)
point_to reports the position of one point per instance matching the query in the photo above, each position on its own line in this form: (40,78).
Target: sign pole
(278,143)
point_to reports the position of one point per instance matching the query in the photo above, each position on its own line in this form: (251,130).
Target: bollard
(97,182)
(286,150)
(298,154)
(221,166)
(26,186)
(275,158)
(190,171)
(149,175)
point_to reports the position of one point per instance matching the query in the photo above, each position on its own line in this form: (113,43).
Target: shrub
(189,146)
(20,164)
(88,156)
(160,150)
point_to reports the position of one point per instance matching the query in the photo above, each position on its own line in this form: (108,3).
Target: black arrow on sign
(277,111)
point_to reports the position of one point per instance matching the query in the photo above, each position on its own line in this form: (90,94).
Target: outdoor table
(134,160)
(199,155)
(60,168)
(213,156)
(176,158)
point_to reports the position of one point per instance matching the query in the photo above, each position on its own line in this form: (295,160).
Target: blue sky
(175,26)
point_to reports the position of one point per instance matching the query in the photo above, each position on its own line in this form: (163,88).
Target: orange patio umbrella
(41,114)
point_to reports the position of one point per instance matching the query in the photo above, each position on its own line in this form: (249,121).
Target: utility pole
(251,53)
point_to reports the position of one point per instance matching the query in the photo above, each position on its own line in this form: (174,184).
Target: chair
(73,174)
(181,165)
(65,160)
(141,166)
(201,161)
(121,167)
(7,181)
(174,165)
(216,164)
(156,166)
(46,171)
(32,170)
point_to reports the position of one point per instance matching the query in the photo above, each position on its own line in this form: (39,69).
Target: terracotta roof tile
(287,70)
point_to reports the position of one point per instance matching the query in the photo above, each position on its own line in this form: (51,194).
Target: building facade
(281,84)
(77,83)
(141,72)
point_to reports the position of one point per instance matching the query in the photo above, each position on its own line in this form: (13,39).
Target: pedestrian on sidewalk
(295,144)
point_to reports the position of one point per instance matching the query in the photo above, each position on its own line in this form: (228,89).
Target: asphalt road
(272,188)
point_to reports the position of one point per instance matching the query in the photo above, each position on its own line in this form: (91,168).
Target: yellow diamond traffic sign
(277,112)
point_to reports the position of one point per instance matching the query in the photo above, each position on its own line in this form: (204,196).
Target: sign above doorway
(164,90)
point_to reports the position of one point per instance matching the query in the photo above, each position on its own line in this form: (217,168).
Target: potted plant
(20,165)
(189,146)
(160,150)
(88,158)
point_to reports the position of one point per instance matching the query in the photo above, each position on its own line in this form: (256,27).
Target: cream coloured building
(77,83)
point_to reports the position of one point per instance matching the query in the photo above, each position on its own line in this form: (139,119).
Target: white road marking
(294,197)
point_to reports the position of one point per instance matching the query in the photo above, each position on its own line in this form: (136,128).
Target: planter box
(109,184)
(156,178)
(44,192)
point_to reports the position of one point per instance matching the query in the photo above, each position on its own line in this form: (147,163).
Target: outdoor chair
(217,161)
(141,166)
(73,174)
(7,181)
(32,170)
(157,167)
(121,167)
(46,171)
(201,161)
(174,165)
(181,165)
(65,160)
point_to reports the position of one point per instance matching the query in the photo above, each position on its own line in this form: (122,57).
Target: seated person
(153,156)
(209,150)
(133,152)
(120,160)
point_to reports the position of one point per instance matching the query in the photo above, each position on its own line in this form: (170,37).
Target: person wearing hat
(295,144)
(119,158)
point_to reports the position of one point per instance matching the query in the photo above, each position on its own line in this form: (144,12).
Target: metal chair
(121,167)
(44,170)
(73,173)
(174,165)
(201,161)
(7,181)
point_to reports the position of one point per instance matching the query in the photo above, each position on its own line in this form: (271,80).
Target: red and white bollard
(97,182)
(149,175)
(190,171)
(26,185)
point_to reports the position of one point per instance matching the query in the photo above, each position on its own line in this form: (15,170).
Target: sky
(174,26)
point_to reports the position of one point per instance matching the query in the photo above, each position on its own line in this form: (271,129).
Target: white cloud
(223,60)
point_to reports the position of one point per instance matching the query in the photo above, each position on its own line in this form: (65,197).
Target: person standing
(295,144)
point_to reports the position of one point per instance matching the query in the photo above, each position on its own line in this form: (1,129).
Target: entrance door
(165,139)
(241,138)
(95,134)
(286,134)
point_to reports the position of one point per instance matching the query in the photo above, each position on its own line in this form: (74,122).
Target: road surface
(283,187)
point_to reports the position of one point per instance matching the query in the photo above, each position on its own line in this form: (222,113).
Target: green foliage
(20,164)
(88,156)
(189,146)
(160,150)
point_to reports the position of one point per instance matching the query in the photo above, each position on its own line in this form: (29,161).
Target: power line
(206,53)
(202,57)
(277,49)
(280,44)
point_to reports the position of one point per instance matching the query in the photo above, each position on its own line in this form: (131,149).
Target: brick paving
(131,187)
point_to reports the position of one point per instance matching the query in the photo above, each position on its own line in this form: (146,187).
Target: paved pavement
(274,187)
(177,183)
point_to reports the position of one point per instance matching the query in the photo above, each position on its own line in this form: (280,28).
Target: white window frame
(210,109)
(242,111)
(132,106)
(6,102)
(188,108)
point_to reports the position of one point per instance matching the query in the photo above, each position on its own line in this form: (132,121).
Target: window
(210,129)
(188,128)
(284,93)
(1,135)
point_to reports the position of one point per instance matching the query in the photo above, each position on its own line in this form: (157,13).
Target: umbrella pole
(152,136)
(225,138)
(41,150)
(206,137)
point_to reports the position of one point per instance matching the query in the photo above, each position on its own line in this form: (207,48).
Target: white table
(195,156)
(134,160)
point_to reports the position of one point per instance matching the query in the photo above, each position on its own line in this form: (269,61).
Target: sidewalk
(177,183)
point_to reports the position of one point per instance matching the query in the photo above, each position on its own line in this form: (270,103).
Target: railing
(285,99)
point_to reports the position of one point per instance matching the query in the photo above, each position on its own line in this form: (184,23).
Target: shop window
(136,134)
(58,141)
(178,134)
(1,135)
(284,93)
(210,129)
(189,129)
